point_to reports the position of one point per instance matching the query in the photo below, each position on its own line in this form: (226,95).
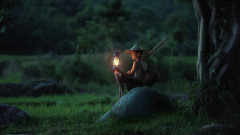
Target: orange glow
(115,61)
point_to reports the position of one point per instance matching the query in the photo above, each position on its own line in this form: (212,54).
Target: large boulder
(45,87)
(10,113)
(33,88)
(140,101)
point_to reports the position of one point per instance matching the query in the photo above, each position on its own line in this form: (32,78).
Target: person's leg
(133,83)
(120,84)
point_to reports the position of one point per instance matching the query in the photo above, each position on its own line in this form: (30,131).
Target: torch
(116,56)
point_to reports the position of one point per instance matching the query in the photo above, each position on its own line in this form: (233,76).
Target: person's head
(136,54)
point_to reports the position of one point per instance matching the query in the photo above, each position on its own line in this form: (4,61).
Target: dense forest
(65,27)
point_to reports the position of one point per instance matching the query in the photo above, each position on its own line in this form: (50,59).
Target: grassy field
(77,114)
(94,94)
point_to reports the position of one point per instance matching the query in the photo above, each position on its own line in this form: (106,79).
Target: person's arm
(134,68)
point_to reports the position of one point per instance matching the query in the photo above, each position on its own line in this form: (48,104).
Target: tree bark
(218,65)
(202,12)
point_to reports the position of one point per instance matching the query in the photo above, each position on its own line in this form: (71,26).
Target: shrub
(180,68)
(42,69)
(172,68)
(80,70)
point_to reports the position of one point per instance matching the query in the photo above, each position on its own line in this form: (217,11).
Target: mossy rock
(10,113)
(140,101)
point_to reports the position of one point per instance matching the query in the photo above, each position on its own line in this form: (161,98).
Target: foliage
(93,72)
(103,31)
(212,99)
(98,26)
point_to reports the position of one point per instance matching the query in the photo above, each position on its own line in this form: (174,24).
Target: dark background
(88,26)
(73,41)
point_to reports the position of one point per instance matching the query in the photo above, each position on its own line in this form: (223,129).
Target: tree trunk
(218,65)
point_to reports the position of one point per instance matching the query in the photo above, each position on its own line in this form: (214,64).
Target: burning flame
(116,61)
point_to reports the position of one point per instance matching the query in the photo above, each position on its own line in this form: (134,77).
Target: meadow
(94,94)
(77,114)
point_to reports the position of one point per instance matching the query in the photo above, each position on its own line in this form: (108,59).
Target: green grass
(97,88)
(15,77)
(77,114)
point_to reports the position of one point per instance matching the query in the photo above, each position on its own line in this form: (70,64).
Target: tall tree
(218,64)
(106,30)
(5,17)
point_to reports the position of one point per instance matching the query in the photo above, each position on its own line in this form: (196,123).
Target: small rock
(10,113)
(212,129)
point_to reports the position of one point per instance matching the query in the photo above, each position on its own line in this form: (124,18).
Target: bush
(83,70)
(173,68)
(181,67)
(12,72)
(42,69)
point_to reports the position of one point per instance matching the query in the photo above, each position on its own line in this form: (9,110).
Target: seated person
(134,77)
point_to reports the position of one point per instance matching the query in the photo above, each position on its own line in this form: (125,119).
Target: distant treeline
(86,26)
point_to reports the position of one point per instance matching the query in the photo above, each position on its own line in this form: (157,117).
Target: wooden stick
(155,48)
